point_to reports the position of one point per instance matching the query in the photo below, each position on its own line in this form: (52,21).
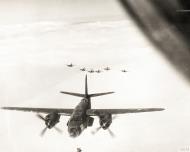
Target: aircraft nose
(73,132)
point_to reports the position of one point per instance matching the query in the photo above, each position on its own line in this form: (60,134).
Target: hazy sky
(33,52)
(22,11)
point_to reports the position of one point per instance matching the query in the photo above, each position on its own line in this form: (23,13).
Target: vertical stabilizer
(86,86)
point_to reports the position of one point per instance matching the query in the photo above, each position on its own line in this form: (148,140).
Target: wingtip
(160,109)
(4,108)
(111,92)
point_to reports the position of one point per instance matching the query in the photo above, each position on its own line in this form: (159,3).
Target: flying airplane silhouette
(70,65)
(98,71)
(79,150)
(81,116)
(91,71)
(107,68)
(83,69)
(124,70)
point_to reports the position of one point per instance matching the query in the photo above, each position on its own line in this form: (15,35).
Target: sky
(27,11)
(38,39)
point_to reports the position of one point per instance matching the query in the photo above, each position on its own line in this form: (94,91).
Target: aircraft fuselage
(79,120)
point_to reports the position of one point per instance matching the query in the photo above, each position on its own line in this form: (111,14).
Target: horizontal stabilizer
(73,94)
(99,94)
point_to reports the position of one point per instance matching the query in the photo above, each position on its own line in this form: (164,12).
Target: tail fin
(86,95)
(95,94)
(86,86)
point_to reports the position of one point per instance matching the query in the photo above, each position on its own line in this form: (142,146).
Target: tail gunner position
(81,115)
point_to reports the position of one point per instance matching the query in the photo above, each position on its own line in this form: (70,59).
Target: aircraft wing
(98,112)
(66,112)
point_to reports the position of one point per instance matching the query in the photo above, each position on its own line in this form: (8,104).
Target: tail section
(86,95)
(99,94)
(73,94)
(86,86)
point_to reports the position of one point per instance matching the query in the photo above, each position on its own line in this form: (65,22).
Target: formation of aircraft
(92,70)
(82,115)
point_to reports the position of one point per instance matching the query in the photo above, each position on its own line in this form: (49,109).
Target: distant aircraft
(107,68)
(70,65)
(98,71)
(81,116)
(83,69)
(79,150)
(124,70)
(91,71)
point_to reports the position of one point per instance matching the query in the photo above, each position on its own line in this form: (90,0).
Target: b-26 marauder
(70,65)
(81,116)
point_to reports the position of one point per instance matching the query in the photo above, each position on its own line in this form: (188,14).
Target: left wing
(66,112)
(98,112)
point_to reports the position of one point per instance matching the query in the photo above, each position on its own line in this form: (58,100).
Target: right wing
(98,112)
(66,112)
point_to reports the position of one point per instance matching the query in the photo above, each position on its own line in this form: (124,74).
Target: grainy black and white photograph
(94,76)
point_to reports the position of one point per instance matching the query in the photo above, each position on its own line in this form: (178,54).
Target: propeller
(40,117)
(45,129)
(96,130)
(43,132)
(109,130)
(58,129)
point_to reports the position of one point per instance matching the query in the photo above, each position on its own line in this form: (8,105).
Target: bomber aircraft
(98,71)
(91,71)
(124,70)
(81,116)
(107,68)
(79,150)
(83,69)
(70,65)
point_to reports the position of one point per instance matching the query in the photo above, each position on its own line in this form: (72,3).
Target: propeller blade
(111,132)
(43,132)
(58,129)
(40,117)
(96,130)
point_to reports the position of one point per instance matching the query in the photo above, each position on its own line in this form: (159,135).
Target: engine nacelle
(90,121)
(52,119)
(105,120)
